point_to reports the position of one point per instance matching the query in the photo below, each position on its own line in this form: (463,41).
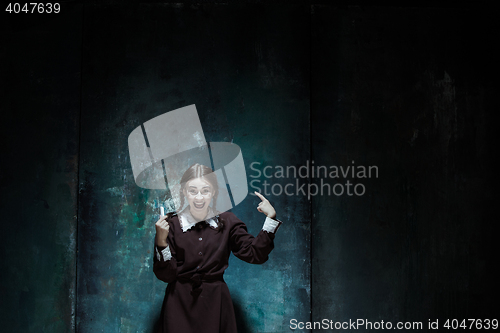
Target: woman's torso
(202,249)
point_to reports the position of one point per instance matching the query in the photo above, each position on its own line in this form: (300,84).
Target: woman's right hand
(162,228)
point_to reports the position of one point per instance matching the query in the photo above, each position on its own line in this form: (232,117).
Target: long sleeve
(164,260)
(254,250)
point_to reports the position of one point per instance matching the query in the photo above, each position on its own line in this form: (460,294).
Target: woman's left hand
(265,207)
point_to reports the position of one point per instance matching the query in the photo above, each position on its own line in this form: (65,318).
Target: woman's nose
(198,195)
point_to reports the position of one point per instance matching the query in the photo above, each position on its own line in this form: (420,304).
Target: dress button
(200,239)
(197,267)
(199,253)
(200,226)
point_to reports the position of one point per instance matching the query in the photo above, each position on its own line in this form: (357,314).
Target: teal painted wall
(246,83)
(40,106)
(408,90)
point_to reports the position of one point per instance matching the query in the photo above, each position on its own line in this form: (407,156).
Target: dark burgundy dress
(197,299)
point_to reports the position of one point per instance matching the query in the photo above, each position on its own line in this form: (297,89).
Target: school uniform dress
(197,299)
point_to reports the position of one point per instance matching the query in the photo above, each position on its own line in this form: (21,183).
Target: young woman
(192,250)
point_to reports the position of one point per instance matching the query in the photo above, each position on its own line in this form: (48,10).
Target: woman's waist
(198,280)
(200,277)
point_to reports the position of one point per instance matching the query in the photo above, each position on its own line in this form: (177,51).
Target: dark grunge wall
(408,90)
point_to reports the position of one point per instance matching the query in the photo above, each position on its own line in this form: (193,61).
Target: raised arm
(164,261)
(255,250)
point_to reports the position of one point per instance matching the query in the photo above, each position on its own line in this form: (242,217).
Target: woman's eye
(193,192)
(205,192)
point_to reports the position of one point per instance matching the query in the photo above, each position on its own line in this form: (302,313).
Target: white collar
(188,221)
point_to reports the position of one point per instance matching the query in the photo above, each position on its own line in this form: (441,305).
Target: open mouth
(199,205)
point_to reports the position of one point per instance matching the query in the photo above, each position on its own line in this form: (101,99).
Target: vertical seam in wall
(75,299)
(311,158)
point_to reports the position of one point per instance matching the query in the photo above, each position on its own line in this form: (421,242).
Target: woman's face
(198,193)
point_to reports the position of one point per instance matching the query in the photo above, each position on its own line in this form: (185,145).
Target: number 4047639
(33,7)
(471,324)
